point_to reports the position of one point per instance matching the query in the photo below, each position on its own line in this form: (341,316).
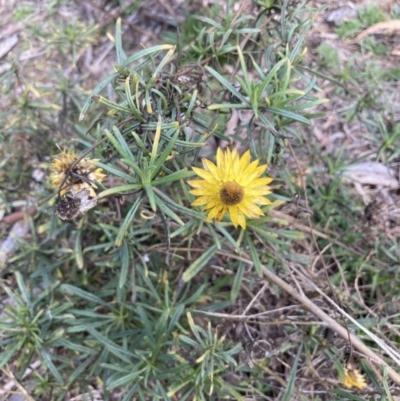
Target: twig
(332,323)
(303,185)
(20,387)
(255,299)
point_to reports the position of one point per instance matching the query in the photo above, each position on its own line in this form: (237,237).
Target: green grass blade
(287,395)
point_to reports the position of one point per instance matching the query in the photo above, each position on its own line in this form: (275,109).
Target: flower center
(231,193)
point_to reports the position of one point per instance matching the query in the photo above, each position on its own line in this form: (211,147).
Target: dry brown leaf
(384,27)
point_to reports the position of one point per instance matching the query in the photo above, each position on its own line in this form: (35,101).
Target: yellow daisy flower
(232,186)
(352,377)
(82,176)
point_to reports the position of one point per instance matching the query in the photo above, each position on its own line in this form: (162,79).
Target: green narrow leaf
(81,368)
(23,289)
(122,142)
(287,395)
(246,83)
(254,255)
(213,235)
(6,354)
(167,211)
(175,317)
(288,114)
(116,144)
(121,56)
(237,281)
(97,89)
(270,75)
(226,84)
(83,294)
(132,391)
(119,190)
(124,258)
(145,52)
(177,175)
(166,152)
(127,221)
(130,100)
(209,21)
(168,201)
(192,104)
(73,346)
(227,236)
(386,385)
(123,381)
(112,105)
(162,63)
(115,349)
(371,375)
(47,360)
(347,394)
(195,331)
(151,197)
(297,48)
(114,171)
(198,264)
(223,106)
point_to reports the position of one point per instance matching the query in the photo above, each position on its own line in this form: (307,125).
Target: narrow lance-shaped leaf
(122,142)
(254,255)
(124,258)
(226,84)
(199,263)
(97,89)
(237,282)
(166,152)
(287,395)
(121,56)
(127,221)
(144,53)
(166,210)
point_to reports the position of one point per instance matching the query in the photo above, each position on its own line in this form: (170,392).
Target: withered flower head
(74,205)
(81,176)
(352,377)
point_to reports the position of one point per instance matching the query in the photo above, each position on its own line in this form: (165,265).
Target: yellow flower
(81,176)
(232,186)
(352,377)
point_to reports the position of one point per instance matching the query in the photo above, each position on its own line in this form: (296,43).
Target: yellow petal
(214,171)
(206,175)
(233,213)
(241,220)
